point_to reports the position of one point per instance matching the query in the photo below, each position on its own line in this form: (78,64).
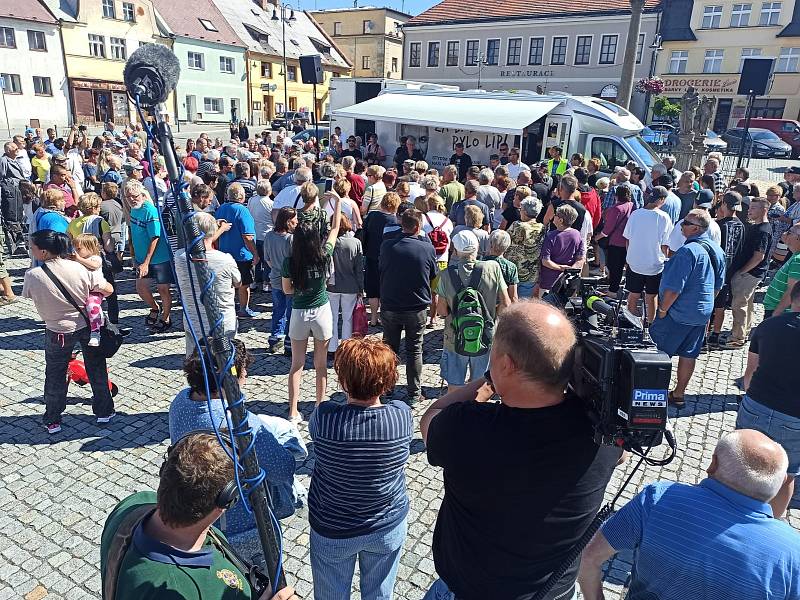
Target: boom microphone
(151,73)
(596,304)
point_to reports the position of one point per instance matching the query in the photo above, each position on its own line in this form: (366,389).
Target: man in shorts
(239,242)
(151,254)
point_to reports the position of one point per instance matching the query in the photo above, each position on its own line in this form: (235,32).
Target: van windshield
(643,150)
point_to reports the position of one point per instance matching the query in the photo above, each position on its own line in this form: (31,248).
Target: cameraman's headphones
(229,494)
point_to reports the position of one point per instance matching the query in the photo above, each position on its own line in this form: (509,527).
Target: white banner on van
(438,143)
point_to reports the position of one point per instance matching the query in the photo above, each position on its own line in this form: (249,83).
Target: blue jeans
(333,562)
(262,268)
(525,290)
(779,427)
(454,367)
(281,314)
(440,591)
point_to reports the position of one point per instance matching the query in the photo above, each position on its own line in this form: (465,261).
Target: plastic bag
(360,322)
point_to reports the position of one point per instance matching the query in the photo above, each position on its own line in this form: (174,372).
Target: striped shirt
(359,485)
(705,541)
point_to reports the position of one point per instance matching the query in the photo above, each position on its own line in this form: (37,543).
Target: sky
(413,7)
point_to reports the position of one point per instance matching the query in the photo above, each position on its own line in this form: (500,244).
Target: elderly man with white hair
(290,195)
(490,196)
(226,279)
(669,162)
(717,539)
(623,177)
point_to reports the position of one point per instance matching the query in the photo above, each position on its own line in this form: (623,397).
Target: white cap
(465,242)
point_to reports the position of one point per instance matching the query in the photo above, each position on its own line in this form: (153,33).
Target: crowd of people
(340,238)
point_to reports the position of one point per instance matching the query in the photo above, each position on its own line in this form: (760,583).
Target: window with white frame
(266,69)
(640,48)
(212,105)
(208,25)
(365,61)
(712,16)
(492,52)
(608,49)
(678,60)
(712,63)
(583,49)
(291,73)
(11,83)
(337,28)
(452,54)
(42,86)
(109,12)
(740,15)
(514,51)
(119,50)
(394,64)
(128,12)
(7,38)
(414,50)
(36,40)
(748,53)
(226,64)
(433,54)
(196,61)
(788,60)
(770,13)
(473,48)
(558,56)
(97,45)
(536,51)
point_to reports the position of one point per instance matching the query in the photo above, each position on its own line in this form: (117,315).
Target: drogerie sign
(726,84)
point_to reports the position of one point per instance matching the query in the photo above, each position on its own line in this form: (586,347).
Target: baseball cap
(705,198)
(465,242)
(29,130)
(793,170)
(133,165)
(59,157)
(733,200)
(212,155)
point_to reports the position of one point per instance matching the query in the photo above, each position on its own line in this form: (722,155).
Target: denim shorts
(779,427)
(454,367)
(677,339)
(161,273)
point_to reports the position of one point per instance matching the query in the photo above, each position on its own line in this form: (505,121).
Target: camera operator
(171,554)
(523,477)
(717,539)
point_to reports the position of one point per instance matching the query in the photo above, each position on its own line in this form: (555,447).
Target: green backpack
(471,320)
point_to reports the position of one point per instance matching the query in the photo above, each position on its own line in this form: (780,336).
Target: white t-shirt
(646,231)
(346,204)
(288,197)
(414,191)
(677,239)
(513,170)
(437,219)
(260,208)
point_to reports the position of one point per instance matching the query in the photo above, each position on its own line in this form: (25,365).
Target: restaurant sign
(724,84)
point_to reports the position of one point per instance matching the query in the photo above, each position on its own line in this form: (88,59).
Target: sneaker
(294,419)
(247,313)
(106,419)
(277,347)
(94,339)
(53,428)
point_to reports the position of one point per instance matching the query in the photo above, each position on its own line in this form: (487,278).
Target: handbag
(605,242)
(360,322)
(110,335)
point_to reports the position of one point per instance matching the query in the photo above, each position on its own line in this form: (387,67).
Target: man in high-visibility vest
(556,165)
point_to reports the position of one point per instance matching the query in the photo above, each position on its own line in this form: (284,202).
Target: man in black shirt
(772,380)
(566,190)
(523,477)
(352,149)
(462,162)
(407,267)
(748,270)
(732,232)
(407,151)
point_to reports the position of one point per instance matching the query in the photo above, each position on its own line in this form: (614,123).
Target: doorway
(191,108)
(723,115)
(102,107)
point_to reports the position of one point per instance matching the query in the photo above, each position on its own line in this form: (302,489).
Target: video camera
(619,374)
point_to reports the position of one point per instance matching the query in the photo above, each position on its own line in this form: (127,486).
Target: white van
(481,120)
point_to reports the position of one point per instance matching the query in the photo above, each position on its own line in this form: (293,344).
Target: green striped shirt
(776,289)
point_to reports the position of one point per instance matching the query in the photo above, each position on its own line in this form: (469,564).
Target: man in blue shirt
(238,240)
(151,253)
(672,205)
(717,539)
(692,277)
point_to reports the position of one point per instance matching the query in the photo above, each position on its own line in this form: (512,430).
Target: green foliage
(662,107)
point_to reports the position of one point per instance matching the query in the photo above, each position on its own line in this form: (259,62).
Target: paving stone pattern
(55,491)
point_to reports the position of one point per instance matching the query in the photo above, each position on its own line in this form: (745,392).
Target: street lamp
(656,47)
(482,62)
(284,20)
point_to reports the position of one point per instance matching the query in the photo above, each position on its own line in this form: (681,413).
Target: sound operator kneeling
(523,477)
(162,547)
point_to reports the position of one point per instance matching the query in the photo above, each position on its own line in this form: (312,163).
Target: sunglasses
(686,223)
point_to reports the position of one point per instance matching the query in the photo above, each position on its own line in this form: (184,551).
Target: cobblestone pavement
(55,491)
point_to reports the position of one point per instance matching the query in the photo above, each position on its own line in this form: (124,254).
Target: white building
(32,68)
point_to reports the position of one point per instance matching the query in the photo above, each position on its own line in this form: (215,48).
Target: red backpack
(438,237)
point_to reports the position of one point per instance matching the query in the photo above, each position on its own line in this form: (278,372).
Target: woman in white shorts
(304,275)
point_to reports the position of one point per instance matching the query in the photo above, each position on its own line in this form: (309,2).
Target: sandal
(151,319)
(677,401)
(160,326)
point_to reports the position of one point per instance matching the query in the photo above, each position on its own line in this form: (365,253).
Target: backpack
(470,320)
(438,237)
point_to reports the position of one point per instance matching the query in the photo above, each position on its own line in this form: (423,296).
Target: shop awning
(452,111)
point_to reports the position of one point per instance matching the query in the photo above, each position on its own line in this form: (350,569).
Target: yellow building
(98,38)
(371,38)
(704,45)
(267,29)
